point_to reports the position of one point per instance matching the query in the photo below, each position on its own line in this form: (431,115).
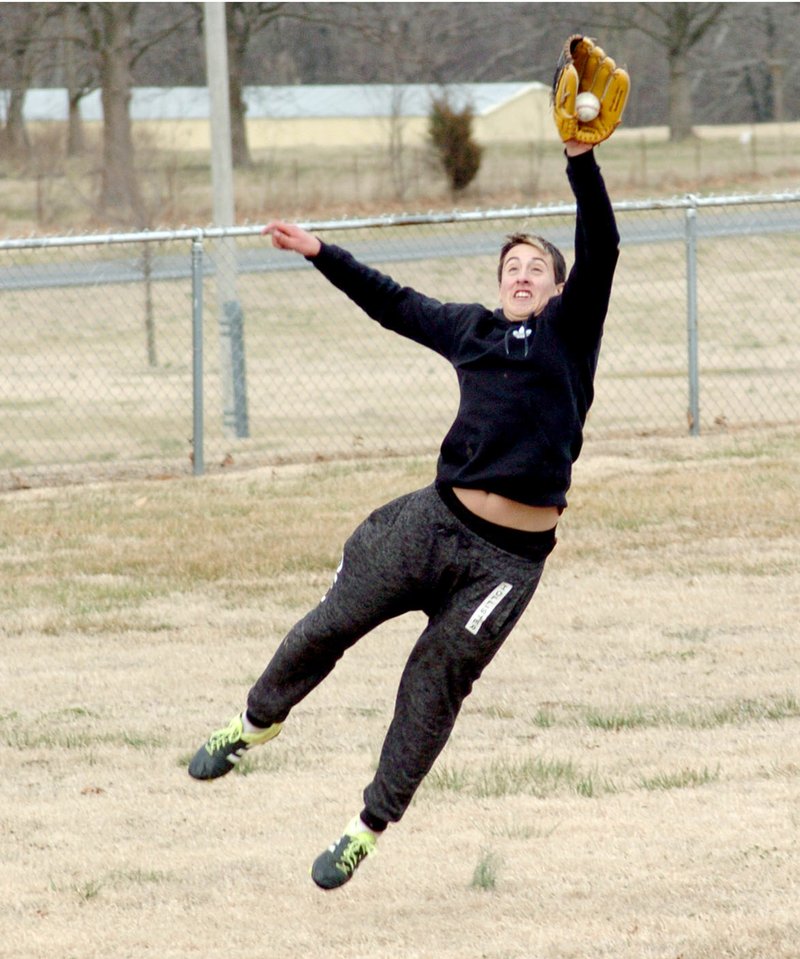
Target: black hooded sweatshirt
(525,388)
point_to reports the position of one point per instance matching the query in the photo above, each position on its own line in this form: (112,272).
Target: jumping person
(469,549)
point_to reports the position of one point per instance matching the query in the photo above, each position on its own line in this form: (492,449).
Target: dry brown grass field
(623,783)
(53,194)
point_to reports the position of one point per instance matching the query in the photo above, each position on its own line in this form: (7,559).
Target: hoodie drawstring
(519,332)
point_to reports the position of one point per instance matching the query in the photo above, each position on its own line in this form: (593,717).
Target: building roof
(283,102)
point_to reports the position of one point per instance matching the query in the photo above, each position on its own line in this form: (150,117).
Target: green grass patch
(683,779)
(737,712)
(506,777)
(484,876)
(615,721)
(266,761)
(55,738)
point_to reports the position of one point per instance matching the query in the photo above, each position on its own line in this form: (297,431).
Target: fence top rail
(199,234)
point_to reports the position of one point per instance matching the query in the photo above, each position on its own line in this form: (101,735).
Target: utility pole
(231,317)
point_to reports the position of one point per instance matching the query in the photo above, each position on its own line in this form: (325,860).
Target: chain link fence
(168,353)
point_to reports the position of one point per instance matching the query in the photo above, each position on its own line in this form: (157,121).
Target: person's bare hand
(288,236)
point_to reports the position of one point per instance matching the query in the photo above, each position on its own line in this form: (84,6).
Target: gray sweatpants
(412,554)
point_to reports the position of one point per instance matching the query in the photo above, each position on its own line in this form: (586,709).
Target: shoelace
(222,737)
(357,849)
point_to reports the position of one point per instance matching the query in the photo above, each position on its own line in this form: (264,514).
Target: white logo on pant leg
(482,612)
(335,577)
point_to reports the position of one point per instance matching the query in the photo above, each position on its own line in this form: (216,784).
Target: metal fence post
(198,465)
(691,317)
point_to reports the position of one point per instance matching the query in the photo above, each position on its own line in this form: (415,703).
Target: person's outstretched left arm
(402,309)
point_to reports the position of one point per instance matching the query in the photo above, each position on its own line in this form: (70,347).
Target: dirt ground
(624,781)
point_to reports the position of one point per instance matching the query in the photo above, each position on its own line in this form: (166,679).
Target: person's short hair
(539,242)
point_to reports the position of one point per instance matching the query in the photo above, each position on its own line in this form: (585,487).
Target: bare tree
(22,46)
(110,38)
(80,76)
(440,44)
(676,29)
(109,29)
(761,73)
(242,21)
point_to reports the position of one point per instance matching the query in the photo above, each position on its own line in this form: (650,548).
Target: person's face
(527,282)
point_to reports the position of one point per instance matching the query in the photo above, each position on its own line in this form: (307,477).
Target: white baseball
(587,106)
